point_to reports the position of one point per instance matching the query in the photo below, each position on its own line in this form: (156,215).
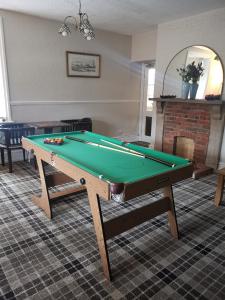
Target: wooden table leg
(219,189)
(43,201)
(172,219)
(99,231)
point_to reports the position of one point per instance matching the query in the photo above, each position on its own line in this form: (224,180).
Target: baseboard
(128,138)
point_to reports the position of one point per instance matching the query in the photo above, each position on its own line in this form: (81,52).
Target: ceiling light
(82,25)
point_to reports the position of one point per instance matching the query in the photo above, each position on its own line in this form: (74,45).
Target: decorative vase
(185,89)
(193,90)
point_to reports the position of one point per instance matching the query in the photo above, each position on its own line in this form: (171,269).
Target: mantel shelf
(188,101)
(217,107)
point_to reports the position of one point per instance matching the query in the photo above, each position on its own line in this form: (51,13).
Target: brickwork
(187,120)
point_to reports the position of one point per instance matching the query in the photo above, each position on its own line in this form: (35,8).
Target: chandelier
(82,25)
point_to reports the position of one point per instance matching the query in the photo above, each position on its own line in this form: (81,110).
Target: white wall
(40,89)
(144,45)
(205,29)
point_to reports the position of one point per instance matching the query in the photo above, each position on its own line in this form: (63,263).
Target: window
(4,95)
(151,84)
(148,126)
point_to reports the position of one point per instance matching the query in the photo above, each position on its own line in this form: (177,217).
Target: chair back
(78,124)
(11,125)
(13,136)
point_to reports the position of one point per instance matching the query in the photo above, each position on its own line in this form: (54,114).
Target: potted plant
(190,76)
(185,75)
(196,71)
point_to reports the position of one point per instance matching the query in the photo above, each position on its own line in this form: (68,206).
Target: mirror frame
(163,86)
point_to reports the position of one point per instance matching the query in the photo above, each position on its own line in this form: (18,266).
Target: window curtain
(5,113)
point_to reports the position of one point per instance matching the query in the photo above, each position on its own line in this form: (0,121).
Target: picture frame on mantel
(80,64)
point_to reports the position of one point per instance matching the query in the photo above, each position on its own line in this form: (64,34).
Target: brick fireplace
(200,121)
(181,120)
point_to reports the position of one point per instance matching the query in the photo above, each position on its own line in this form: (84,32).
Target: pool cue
(145,155)
(102,146)
(122,147)
(125,150)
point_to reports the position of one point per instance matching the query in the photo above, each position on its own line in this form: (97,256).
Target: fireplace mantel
(196,101)
(215,105)
(195,114)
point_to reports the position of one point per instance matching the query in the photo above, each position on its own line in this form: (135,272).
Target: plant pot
(185,90)
(193,90)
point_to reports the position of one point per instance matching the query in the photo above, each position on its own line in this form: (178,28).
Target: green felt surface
(113,166)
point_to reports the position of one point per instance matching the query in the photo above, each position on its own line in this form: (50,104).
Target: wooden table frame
(97,188)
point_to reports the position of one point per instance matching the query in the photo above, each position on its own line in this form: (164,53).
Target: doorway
(147,115)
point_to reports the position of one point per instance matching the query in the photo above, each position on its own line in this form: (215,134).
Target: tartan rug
(59,259)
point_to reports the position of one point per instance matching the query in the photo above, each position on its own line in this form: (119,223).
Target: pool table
(109,169)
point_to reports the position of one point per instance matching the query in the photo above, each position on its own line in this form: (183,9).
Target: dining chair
(10,139)
(78,124)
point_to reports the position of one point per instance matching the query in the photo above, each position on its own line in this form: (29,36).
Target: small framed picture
(80,64)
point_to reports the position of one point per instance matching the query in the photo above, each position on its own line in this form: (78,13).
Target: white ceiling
(123,16)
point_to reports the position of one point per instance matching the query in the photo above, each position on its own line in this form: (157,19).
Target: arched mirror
(196,72)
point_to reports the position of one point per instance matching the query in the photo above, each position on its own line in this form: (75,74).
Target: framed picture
(82,64)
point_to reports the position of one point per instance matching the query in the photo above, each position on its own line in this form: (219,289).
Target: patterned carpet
(58,259)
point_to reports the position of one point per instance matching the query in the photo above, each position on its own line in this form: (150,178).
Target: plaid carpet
(58,259)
